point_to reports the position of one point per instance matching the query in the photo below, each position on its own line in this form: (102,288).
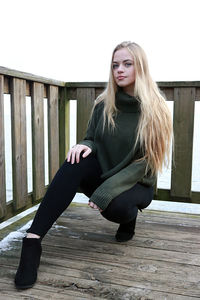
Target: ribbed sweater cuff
(101,199)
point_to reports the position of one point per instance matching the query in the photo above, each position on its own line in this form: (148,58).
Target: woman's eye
(115,66)
(128,64)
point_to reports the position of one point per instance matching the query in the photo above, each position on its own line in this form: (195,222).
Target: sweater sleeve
(118,183)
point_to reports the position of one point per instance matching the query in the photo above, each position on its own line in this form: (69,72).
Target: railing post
(38,140)
(19,152)
(85,102)
(53,131)
(2,152)
(64,121)
(184,100)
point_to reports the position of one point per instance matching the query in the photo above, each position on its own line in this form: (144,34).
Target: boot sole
(123,239)
(24,287)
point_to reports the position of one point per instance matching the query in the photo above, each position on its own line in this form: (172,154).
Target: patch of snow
(6,243)
(80,198)
(59,226)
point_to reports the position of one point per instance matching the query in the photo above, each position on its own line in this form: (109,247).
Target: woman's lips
(120,77)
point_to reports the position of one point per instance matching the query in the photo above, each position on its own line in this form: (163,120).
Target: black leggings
(86,175)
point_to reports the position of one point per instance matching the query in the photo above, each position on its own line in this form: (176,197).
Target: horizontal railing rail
(20,85)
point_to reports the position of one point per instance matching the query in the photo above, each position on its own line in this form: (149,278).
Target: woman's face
(124,70)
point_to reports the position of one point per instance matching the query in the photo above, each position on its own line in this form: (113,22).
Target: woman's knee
(86,166)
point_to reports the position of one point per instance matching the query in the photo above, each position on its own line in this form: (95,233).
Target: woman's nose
(120,69)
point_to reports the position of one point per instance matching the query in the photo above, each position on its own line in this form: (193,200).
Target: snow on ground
(6,243)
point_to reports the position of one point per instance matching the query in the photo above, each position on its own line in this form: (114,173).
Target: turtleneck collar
(126,103)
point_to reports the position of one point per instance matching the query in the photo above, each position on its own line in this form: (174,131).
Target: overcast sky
(73,40)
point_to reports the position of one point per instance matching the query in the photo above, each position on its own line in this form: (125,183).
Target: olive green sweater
(115,150)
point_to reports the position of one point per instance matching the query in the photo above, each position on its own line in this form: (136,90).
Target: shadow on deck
(81,259)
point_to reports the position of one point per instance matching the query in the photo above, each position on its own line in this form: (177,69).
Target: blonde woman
(127,141)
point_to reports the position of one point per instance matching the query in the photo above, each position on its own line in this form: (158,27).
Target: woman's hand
(74,153)
(94,206)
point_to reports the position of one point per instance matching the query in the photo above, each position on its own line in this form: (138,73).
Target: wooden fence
(19,85)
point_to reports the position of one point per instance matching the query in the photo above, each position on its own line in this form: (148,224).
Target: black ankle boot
(126,231)
(26,274)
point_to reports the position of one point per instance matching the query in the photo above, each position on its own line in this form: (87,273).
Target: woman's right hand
(74,153)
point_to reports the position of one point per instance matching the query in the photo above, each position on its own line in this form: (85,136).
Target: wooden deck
(81,259)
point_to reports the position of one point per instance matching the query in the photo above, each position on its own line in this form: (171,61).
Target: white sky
(72,40)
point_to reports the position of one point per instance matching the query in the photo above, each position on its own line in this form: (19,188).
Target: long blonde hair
(154,130)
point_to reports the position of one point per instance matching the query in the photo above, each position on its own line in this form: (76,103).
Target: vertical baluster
(53,131)
(19,155)
(64,129)
(85,101)
(38,140)
(2,152)
(184,100)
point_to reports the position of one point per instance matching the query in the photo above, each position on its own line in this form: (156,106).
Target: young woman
(127,141)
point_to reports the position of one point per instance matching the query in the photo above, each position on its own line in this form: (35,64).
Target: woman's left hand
(94,206)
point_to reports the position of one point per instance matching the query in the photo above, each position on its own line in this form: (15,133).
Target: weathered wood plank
(44,291)
(98,91)
(184,100)
(6,85)
(160,217)
(85,102)
(2,152)
(67,272)
(196,197)
(143,230)
(64,124)
(161,84)
(53,131)
(77,289)
(197,94)
(28,87)
(29,76)
(116,266)
(71,93)
(86,247)
(169,93)
(19,152)
(38,140)
(188,222)
(142,239)
(85,84)
(147,227)
(165,195)
(167,219)
(133,271)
